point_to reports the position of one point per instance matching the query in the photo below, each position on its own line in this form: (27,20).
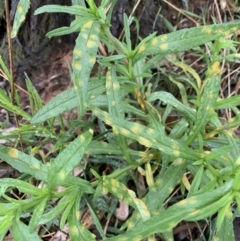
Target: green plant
(129,133)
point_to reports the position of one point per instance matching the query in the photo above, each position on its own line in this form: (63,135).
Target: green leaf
(67,100)
(55,211)
(147,136)
(168,98)
(196,182)
(160,191)
(75,195)
(22,186)
(226,232)
(37,214)
(95,218)
(24,163)
(68,159)
(208,100)
(74,27)
(116,108)
(168,219)
(76,230)
(35,100)
(84,57)
(210,209)
(21,232)
(74,10)
(6,103)
(5,70)
(184,39)
(5,223)
(20,16)
(119,190)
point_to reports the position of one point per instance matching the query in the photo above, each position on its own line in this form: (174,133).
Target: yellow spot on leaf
(158,182)
(94,37)
(136,129)
(138,216)
(19,9)
(163,38)
(155,213)
(137,238)
(174,147)
(215,69)
(82,138)
(131,224)
(62,174)
(150,131)
(115,86)
(141,49)
(78,215)
(144,141)
(35,166)
(191,200)
(91,44)
(108,84)
(88,24)
(77,66)
(77,52)
(124,131)
(84,36)
(13,152)
(22,19)
(163,46)
(74,230)
(207,30)
(154,41)
(193,213)
(114,189)
(227,33)
(113,103)
(104,191)
(229,213)
(92,60)
(170,190)
(176,153)
(182,203)
(178,162)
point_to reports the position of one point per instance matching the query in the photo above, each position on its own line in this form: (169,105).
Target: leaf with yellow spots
(183,40)
(207,102)
(169,218)
(158,193)
(87,41)
(120,191)
(76,230)
(147,136)
(65,162)
(20,15)
(67,100)
(24,163)
(21,232)
(37,213)
(115,108)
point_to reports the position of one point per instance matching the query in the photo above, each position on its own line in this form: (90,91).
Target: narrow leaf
(65,162)
(20,16)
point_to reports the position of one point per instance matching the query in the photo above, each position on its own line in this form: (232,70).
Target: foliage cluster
(129,126)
